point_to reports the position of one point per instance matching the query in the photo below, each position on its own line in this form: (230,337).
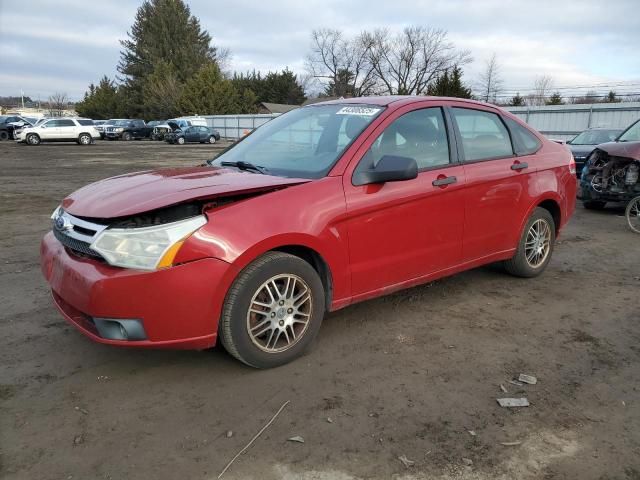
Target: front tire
(32,139)
(180,140)
(273,311)
(535,246)
(126,136)
(4,136)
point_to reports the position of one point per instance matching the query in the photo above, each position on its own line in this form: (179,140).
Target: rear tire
(535,246)
(84,139)
(32,139)
(276,295)
(212,140)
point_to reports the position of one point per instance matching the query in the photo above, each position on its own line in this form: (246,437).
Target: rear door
(402,231)
(66,129)
(497,182)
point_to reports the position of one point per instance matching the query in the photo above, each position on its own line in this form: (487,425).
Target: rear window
(524,142)
(85,122)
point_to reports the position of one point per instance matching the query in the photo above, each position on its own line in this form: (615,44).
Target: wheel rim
(212,140)
(84,140)
(633,214)
(279,313)
(538,243)
(180,141)
(33,140)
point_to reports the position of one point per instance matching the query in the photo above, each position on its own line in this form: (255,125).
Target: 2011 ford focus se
(324,206)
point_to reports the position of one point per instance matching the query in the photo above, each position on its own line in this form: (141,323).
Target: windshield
(303,143)
(595,137)
(632,134)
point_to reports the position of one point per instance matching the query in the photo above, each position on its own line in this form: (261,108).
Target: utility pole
(22,98)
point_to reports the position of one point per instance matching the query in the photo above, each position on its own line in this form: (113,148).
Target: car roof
(387,100)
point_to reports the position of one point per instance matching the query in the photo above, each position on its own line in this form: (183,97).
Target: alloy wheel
(538,243)
(279,313)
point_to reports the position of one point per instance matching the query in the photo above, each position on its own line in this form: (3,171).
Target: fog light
(117,329)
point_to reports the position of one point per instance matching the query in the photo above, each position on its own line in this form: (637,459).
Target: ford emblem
(62,223)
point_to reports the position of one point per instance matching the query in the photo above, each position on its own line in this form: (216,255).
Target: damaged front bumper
(610,178)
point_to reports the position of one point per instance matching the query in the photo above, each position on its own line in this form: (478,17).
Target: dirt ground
(414,374)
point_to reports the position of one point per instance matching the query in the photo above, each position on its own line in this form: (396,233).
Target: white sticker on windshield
(363,111)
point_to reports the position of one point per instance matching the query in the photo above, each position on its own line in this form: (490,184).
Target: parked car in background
(100,124)
(10,123)
(324,206)
(160,131)
(612,171)
(194,134)
(129,129)
(160,128)
(584,143)
(80,130)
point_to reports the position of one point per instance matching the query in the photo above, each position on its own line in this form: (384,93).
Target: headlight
(119,129)
(56,212)
(146,248)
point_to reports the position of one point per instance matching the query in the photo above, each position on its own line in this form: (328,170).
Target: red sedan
(327,205)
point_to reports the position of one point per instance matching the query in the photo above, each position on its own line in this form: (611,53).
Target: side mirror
(568,142)
(390,168)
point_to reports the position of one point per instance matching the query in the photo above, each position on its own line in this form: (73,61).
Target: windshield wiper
(245,166)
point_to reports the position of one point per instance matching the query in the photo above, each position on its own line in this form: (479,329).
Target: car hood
(140,192)
(581,150)
(173,125)
(622,149)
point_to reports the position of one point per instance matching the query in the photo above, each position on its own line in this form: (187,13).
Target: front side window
(305,142)
(420,134)
(484,136)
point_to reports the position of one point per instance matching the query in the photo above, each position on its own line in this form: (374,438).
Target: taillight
(572,166)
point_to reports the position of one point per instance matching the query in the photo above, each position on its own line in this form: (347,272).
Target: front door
(402,231)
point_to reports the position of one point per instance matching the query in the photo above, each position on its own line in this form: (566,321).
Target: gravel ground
(414,374)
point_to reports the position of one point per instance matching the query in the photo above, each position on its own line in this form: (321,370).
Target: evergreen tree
(101,102)
(517,101)
(342,86)
(161,92)
(555,99)
(611,97)
(163,31)
(449,85)
(283,88)
(208,92)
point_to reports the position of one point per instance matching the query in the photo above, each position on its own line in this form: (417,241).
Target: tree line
(169,67)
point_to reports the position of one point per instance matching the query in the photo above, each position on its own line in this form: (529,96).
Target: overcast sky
(64,45)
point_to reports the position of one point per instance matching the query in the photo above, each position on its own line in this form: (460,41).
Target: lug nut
(290,310)
(273,314)
(281,302)
(281,322)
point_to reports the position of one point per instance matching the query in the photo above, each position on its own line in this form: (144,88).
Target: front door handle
(440,182)
(519,166)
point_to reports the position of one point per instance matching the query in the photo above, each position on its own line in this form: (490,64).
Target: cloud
(68,44)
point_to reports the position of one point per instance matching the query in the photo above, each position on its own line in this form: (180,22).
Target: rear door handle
(519,166)
(439,182)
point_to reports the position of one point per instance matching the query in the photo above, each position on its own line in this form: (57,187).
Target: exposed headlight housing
(146,248)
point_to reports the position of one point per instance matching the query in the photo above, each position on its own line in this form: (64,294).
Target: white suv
(79,130)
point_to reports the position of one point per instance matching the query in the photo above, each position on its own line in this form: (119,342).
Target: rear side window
(484,136)
(66,123)
(85,123)
(524,142)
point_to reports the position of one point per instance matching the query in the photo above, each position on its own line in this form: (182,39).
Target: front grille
(75,245)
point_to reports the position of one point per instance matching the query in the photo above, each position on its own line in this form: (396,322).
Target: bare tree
(542,87)
(405,63)
(490,84)
(58,103)
(342,62)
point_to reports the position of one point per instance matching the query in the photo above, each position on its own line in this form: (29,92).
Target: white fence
(236,126)
(564,122)
(560,122)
